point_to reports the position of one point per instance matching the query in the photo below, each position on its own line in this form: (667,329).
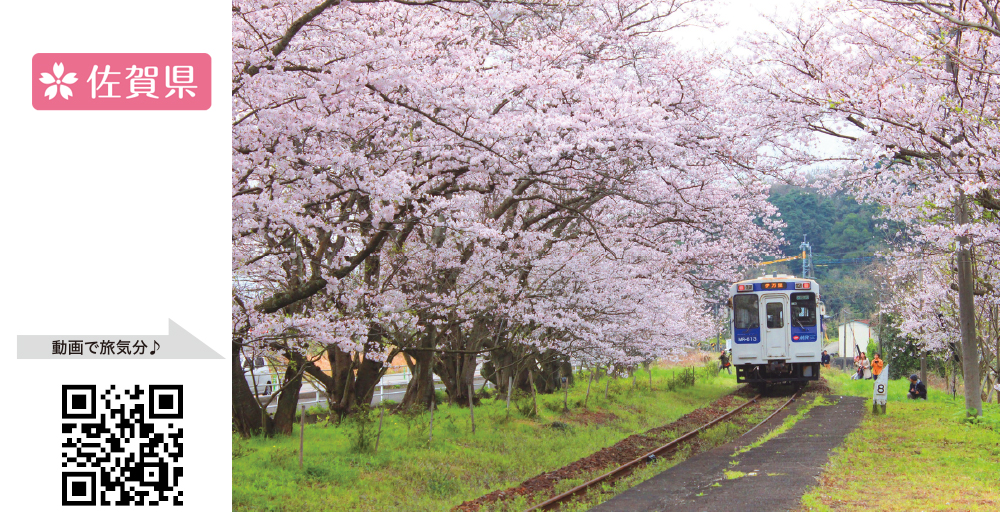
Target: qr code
(122,446)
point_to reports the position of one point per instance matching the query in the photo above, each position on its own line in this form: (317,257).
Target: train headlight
(744,288)
(802,286)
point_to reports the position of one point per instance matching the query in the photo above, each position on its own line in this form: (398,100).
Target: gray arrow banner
(177,344)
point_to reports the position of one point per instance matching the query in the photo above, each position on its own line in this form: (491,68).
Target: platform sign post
(881,390)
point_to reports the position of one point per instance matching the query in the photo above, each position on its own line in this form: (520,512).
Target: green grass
(733,474)
(920,456)
(408,473)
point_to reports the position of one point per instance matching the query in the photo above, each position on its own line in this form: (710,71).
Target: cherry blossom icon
(58,82)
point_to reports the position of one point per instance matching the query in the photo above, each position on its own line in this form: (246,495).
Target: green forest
(845,237)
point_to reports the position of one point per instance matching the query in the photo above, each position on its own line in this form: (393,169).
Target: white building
(854,334)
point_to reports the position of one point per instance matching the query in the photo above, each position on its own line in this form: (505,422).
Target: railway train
(777,327)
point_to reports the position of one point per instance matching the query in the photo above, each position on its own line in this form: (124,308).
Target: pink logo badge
(121,81)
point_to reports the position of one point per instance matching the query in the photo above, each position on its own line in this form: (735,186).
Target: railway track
(631,466)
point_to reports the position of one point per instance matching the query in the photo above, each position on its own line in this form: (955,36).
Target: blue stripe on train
(747,336)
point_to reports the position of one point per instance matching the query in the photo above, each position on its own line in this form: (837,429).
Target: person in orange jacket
(877,365)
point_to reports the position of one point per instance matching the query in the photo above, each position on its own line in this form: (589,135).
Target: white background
(113,222)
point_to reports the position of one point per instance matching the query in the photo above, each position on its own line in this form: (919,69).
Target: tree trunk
(552,366)
(491,375)
(954,377)
(458,370)
(534,396)
(509,365)
(370,371)
(288,400)
(472,409)
(420,390)
(565,395)
(342,378)
(589,382)
(567,370)
(967,315)
(246,409)
(345,388)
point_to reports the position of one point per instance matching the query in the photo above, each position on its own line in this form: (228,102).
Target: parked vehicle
(259,375)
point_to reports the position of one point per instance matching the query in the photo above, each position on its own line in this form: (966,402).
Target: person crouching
(917,388)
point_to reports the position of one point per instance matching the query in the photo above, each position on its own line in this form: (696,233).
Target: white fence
(395,380)
(393,383)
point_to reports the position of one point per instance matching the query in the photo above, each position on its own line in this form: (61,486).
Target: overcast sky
(739,17)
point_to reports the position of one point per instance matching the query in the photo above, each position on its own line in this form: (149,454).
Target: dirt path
(774,476)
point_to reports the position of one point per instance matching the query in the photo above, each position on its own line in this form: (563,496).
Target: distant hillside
(839,228)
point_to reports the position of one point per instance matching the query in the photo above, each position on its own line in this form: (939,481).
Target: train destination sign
(773,286)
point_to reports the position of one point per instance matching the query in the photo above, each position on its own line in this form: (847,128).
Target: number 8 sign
(879,394)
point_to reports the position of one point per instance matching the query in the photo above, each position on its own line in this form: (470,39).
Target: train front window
(804,309)
(775,315)
(746,311)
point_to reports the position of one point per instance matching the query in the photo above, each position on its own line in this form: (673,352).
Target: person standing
(724,358)
(866,366)
(825,359)
(877,365)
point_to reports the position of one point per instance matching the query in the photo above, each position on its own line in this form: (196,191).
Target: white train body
(777,326)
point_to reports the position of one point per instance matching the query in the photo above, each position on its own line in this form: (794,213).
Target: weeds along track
(636,451)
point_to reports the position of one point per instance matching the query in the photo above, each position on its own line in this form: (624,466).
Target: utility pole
(881,300)
(849,323)
(807,257)
(843,338)
(718,341)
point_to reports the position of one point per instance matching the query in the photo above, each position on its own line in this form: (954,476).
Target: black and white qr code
(122,446)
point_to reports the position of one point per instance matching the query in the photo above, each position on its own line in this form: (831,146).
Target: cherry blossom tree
(924,297)
(908,91)
(532,181)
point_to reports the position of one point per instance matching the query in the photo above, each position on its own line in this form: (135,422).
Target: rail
(783,406)
(629,467)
